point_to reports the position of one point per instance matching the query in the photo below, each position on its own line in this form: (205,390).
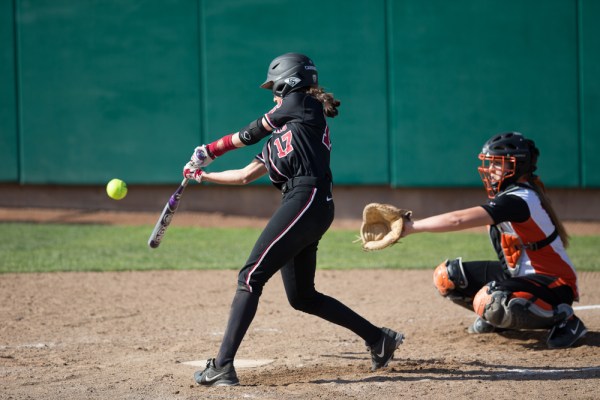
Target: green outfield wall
(96,89)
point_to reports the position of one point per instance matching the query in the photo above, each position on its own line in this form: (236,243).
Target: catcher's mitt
(382,225)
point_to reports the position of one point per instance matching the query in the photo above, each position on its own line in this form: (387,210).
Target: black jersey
(299,144)
(506,208)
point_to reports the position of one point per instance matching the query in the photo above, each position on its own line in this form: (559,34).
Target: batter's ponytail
(330,103)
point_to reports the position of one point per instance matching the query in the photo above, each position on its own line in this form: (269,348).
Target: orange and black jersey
(519,221)
(300,143)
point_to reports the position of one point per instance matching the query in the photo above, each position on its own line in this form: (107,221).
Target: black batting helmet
(290,72)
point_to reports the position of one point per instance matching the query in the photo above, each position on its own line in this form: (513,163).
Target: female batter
(296,157)
(534,284)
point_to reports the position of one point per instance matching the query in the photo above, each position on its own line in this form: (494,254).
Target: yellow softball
(116,189)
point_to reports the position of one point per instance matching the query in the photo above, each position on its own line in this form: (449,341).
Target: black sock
(243,309)
(334,311)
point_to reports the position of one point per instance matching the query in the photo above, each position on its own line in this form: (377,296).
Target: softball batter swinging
(296,157)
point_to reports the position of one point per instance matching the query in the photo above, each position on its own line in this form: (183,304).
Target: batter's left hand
(202,156)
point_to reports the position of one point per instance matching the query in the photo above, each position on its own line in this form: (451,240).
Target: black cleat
(566,333)
(213,376)
(383,351)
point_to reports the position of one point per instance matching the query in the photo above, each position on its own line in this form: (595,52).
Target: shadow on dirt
(539,339)
(438,370)
(441,369)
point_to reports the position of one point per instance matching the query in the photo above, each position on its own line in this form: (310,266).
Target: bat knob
(153,244)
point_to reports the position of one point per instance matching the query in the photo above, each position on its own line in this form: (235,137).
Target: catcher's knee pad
(448,276)
(517,310)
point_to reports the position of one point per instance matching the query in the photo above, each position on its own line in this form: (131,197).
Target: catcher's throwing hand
(382,225)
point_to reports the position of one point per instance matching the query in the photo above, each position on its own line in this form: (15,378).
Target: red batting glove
(190,171)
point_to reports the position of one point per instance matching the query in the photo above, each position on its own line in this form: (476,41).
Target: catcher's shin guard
(518,310)
(449,276)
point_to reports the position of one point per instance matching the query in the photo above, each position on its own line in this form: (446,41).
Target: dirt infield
(129,335)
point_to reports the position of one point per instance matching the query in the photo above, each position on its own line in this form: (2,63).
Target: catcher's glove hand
(382,225)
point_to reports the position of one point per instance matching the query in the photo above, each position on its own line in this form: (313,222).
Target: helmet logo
(293,81)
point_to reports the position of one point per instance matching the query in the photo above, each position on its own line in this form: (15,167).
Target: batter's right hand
(201,157)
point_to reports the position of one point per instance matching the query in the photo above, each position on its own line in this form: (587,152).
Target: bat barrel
(166,216)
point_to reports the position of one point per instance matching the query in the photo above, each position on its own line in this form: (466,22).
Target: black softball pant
(289,243)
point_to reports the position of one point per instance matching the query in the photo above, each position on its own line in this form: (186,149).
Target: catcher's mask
(289,72)
(504,159)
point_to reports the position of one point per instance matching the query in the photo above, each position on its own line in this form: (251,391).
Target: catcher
(533,284)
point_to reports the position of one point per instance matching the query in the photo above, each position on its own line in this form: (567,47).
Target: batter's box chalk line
(590,307)
(526,371)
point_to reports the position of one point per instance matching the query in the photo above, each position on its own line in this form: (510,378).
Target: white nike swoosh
(382,348)
(207,379)
(329,198)
(573,331)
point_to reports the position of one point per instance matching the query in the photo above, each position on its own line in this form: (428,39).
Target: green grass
(30,247)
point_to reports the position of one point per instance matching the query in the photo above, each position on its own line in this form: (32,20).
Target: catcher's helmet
(505,158)
(290,72)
